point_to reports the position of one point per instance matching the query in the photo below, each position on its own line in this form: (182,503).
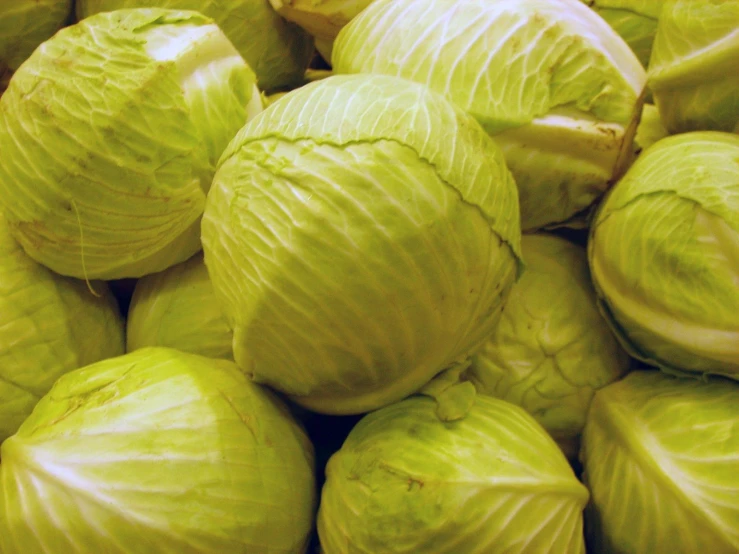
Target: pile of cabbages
(355,277)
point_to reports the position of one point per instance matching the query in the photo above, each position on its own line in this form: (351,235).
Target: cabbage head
(24,24)
(157,451)
(277,51)
(177,308)
(109,136)
(49,325)
(661,457)
(552,348)
(693,71)
(556,87)
(663,254)
(406,482)
(361,234)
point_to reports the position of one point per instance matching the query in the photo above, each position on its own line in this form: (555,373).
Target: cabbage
(664,254)
(157,451)
(276,50)
(49,325)
(24,24)
(177,308)
(661,457)
(356,256)
(559,90)
(406,482)
(110,133)
(693,68)
(552,349)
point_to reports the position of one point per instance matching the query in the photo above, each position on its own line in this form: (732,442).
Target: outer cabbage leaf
(406,482)
(177,308)
(49,325)
(110,134)
(552,349)
(693,69)
(361,234)
(277,51)
(664,254)
(557,87)
(661,457)
(24,24)
(157,451)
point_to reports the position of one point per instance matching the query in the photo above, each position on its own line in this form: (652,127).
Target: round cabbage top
(110,134)
(361,234)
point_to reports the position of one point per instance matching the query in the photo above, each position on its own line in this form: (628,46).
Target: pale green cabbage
(693,71)
(361,234)
(559,90)
(661,457)
(49,325)
(157,451)
(405,482)
(177,308)
(664,254)
(110,134)
(552,349)
(24,24)
(277,51)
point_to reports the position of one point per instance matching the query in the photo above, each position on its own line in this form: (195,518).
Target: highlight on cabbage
(49,325)
(556,87)
(357,257)
(693,69)
(406,482)
(278,51)
(663,254)
(177,308)
(323,19)
(24,24)
(634,20)
(552,349)
(157,451)
(661,456)
(110,133)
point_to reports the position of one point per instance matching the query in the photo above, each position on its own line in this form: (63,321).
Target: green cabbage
(109,136)
(361,234)
(49,325)
(157,451)
(405,482)
(24,24)
(693,71)
(559,90)
(661,457)
(552,349)
(177,308)
(276,50)
(664,254)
